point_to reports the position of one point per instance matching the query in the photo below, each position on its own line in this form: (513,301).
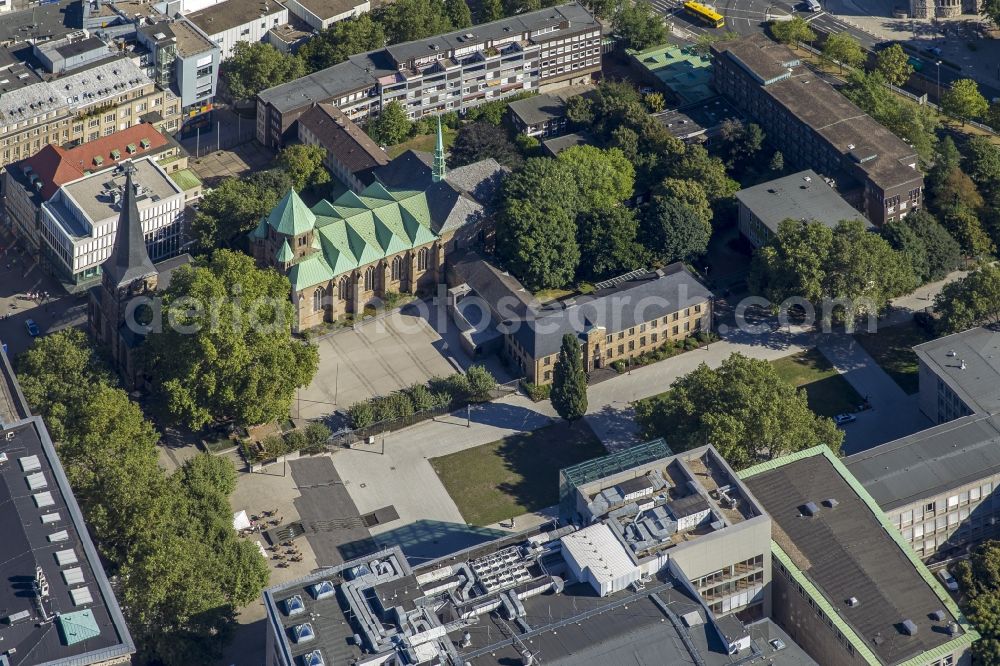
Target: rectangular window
(675,331)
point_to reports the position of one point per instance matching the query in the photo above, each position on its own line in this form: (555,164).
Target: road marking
(815,16)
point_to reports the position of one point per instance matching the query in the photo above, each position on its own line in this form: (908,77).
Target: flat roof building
(449,72)
(321,14)
(804,196)
(58,606)
(233,21)
(847,587)
(938,486)
(817,127)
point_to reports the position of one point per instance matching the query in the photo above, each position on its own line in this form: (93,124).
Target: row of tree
(167,539)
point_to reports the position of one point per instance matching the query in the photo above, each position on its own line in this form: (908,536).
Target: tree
(673,230)
(608,243)
(654,102)
(341,40)
(304,165)
(391,125)
(256,66)
(894,65)
(793,263)
(481,383)
(979,577)
(458,13)
(236,206)
(993,115)
(843,48)
(604,178)
(928,247)
(709,171)
(792,31)
(536,225)
(991,10)
(972,301)
(490,10)
(480,140)
(741,141)
(743,408)
(964,101)
(228,356)
(639,25)
(777,163)
(57,374)
(864,271)
(964,224)
(569,381)
(982,164)
(688,192)
(408,20)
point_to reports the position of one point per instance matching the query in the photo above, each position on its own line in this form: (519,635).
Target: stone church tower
(128,273)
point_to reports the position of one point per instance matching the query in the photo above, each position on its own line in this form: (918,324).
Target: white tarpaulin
(241,521)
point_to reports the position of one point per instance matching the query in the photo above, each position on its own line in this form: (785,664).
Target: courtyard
(515,475)
(826,389)
(891,347)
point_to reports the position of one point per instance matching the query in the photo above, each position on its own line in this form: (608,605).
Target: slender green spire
(439,166)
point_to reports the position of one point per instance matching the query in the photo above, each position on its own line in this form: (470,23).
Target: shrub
(421,397)
(295,441)
(481,383)
(362,414)
(399,405)
(442,399)
(619,366)
(317,434)
(537,392)
(456,385)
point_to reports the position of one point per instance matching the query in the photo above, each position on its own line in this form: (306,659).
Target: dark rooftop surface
(978,383)
(846,552)
(326,9)
(799,196)
(538,109)
(42,527)
(929,462)
(560,143)
(763,58)
(42,22)
(347,142)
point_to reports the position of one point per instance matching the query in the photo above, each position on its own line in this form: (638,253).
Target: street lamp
(938,63)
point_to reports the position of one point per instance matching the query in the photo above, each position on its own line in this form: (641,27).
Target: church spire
(129,259)
(439,166)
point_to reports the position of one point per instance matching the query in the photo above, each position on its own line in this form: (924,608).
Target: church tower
(126,274)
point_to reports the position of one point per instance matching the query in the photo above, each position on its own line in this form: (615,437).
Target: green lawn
(422,142)
(891,349)
(828,392)
(515,475)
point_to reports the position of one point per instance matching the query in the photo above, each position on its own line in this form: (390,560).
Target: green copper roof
(261,230)
(359,229)
(77,627)
(285,254)
(291,216)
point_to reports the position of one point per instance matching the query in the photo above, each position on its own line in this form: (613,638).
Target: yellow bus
(705,14)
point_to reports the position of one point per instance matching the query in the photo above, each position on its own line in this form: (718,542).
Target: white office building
(228,23)
(80,219)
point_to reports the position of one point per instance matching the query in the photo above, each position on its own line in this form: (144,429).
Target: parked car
(844,419)
(948,580)
(32,328)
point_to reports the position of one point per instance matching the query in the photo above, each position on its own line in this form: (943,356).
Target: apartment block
(816,127)
(79,221)
(449,72)
(846,587)
(81,106)
(938,485)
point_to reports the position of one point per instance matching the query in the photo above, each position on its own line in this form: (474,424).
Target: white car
(948,580)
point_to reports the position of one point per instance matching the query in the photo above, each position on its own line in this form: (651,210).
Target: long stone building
(449,72)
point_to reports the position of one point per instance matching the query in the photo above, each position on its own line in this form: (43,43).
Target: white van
(813,6)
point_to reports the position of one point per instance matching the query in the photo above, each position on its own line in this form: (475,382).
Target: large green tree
(927,246)
(407,20)
(569,381)
(57,374)
(536,224)
(741,141)
(991,10)
(304,165)
(894,65)
(963,100)
(342,40)
(391,125)
(236,206)
(982,164)
(672,230)
(226,353)
(639,24)
(743,408)
(979,577)
(972,301)
(256,66)
(793,263)
(608,243)
(458,13)
(481,140)
(709,171)
(605,178)
(690,192)
(845,49)
(793,31)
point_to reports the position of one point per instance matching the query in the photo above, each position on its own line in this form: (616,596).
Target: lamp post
(938,64)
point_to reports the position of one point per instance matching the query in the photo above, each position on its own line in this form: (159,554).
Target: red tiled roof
(57,166)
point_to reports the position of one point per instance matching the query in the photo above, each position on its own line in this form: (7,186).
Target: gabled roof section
(285,254)
(291,216)
(309,272)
